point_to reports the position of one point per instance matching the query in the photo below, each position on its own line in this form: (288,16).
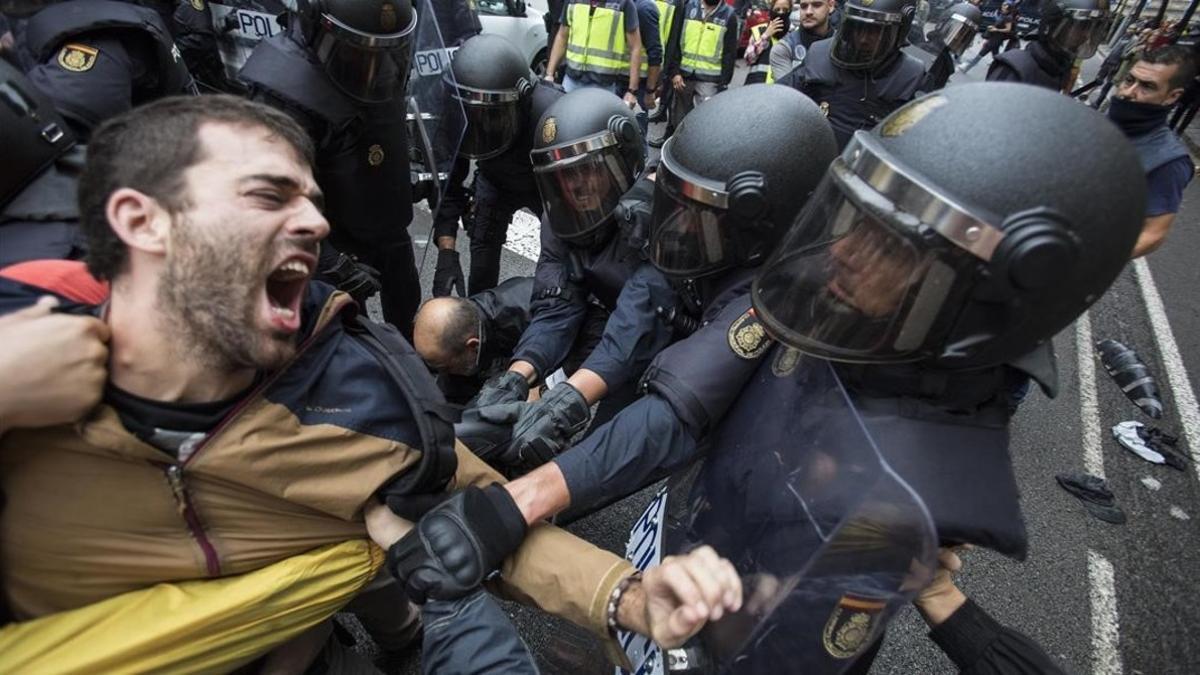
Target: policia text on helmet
(364,45)
(493,83)
(913,251)
(588,151)
(720,203)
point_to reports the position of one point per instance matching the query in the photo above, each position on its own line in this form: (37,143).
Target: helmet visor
(850,282)
(580,192)
(1079,32)
(866,38)
(367,67)
(493,122)
(956,33)
(689,235)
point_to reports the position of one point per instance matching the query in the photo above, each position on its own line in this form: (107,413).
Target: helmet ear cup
(748,196)
(629,137)
(1037,251)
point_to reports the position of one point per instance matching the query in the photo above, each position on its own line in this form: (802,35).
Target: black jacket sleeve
(980,645)
(729,54)
(634,333)
(557,309)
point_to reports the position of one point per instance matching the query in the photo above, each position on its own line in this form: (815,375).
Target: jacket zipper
(174,472)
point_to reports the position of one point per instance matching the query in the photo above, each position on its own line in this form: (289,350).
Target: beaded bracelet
(614,601)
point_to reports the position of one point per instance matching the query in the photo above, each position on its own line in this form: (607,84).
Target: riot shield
(436,119)
(828,539)
(241,24)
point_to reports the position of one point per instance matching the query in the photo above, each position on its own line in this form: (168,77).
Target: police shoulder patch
(852,626)
(375,155)
(747,338)
(77,58)
(198,5)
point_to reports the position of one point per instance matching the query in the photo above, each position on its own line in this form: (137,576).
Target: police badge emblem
(852,626)
(77,58)
(198,5)
(746,336)
(824,108)
(375,155)
(549,130)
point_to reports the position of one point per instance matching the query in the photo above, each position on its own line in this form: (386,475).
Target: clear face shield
(493,121)
(371,68)
(1079,32)
(581,184)
(956,33)
(874,267)
(866,38)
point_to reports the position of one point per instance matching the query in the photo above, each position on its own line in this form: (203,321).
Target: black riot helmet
(914,250)
(958,27)
(32,134)
(364,45)
(587,151)
(720,202)
(1074,29)
(871,32)
(490,80)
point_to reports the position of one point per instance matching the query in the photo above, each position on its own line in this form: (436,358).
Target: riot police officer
(503,101)
(340,68)
(591,278)
(860,75)
(953,35)
(905,299)
(1069,30)
(96,58)
(38,212)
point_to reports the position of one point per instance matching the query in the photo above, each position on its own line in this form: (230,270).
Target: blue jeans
(472,635)
(571,84)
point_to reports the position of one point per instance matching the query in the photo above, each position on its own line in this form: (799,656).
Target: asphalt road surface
(1103,599)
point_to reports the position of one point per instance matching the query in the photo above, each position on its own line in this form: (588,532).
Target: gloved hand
(503,388)
(458,544)
(448,274)
(358,279)
(540,429)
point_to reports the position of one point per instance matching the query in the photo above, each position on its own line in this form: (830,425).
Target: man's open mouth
(285,289)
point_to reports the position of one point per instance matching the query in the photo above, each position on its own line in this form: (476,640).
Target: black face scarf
(1136,118)
(785,18)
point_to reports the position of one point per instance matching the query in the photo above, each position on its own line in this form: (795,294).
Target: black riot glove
(448,274)
(359,280)
(541,429)
(503,388)
(457,544)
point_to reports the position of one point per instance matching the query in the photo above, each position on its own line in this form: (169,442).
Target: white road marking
(1181,386)
(1151,484)
(524,235)
(1089,406)
(1106,655)
(1179,513)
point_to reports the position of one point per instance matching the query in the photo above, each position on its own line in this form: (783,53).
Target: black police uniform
(613,278)
(1032,65)
(503,185)
(362,164)
(855,100)
(504,312)
(98,58)
(192,24)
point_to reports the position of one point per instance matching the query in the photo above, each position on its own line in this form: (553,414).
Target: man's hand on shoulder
(53,366)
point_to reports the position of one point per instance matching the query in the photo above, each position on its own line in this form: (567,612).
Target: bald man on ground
(466,340)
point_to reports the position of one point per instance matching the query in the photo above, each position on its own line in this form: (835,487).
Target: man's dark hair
(149,148)
(1174,55)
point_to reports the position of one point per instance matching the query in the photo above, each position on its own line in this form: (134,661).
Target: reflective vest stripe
(703,42)
(596,42)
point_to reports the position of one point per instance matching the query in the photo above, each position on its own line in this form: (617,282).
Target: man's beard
(209,297)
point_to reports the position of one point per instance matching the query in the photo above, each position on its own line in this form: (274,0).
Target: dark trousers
(494,209)
(472,635)
(401,292)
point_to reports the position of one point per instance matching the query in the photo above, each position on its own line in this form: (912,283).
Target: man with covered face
(251,417)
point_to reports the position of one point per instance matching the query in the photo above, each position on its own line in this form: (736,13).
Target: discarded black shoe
(1095,495)
(1132,376)
(1165,445)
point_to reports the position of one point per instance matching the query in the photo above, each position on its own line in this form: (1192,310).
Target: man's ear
(1173,97)
(473,343)
(139,220)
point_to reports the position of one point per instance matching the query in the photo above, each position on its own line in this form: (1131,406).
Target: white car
(522,23)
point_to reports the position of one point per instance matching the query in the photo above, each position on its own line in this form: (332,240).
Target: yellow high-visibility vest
(596,42)
(703,43)
(666,16)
